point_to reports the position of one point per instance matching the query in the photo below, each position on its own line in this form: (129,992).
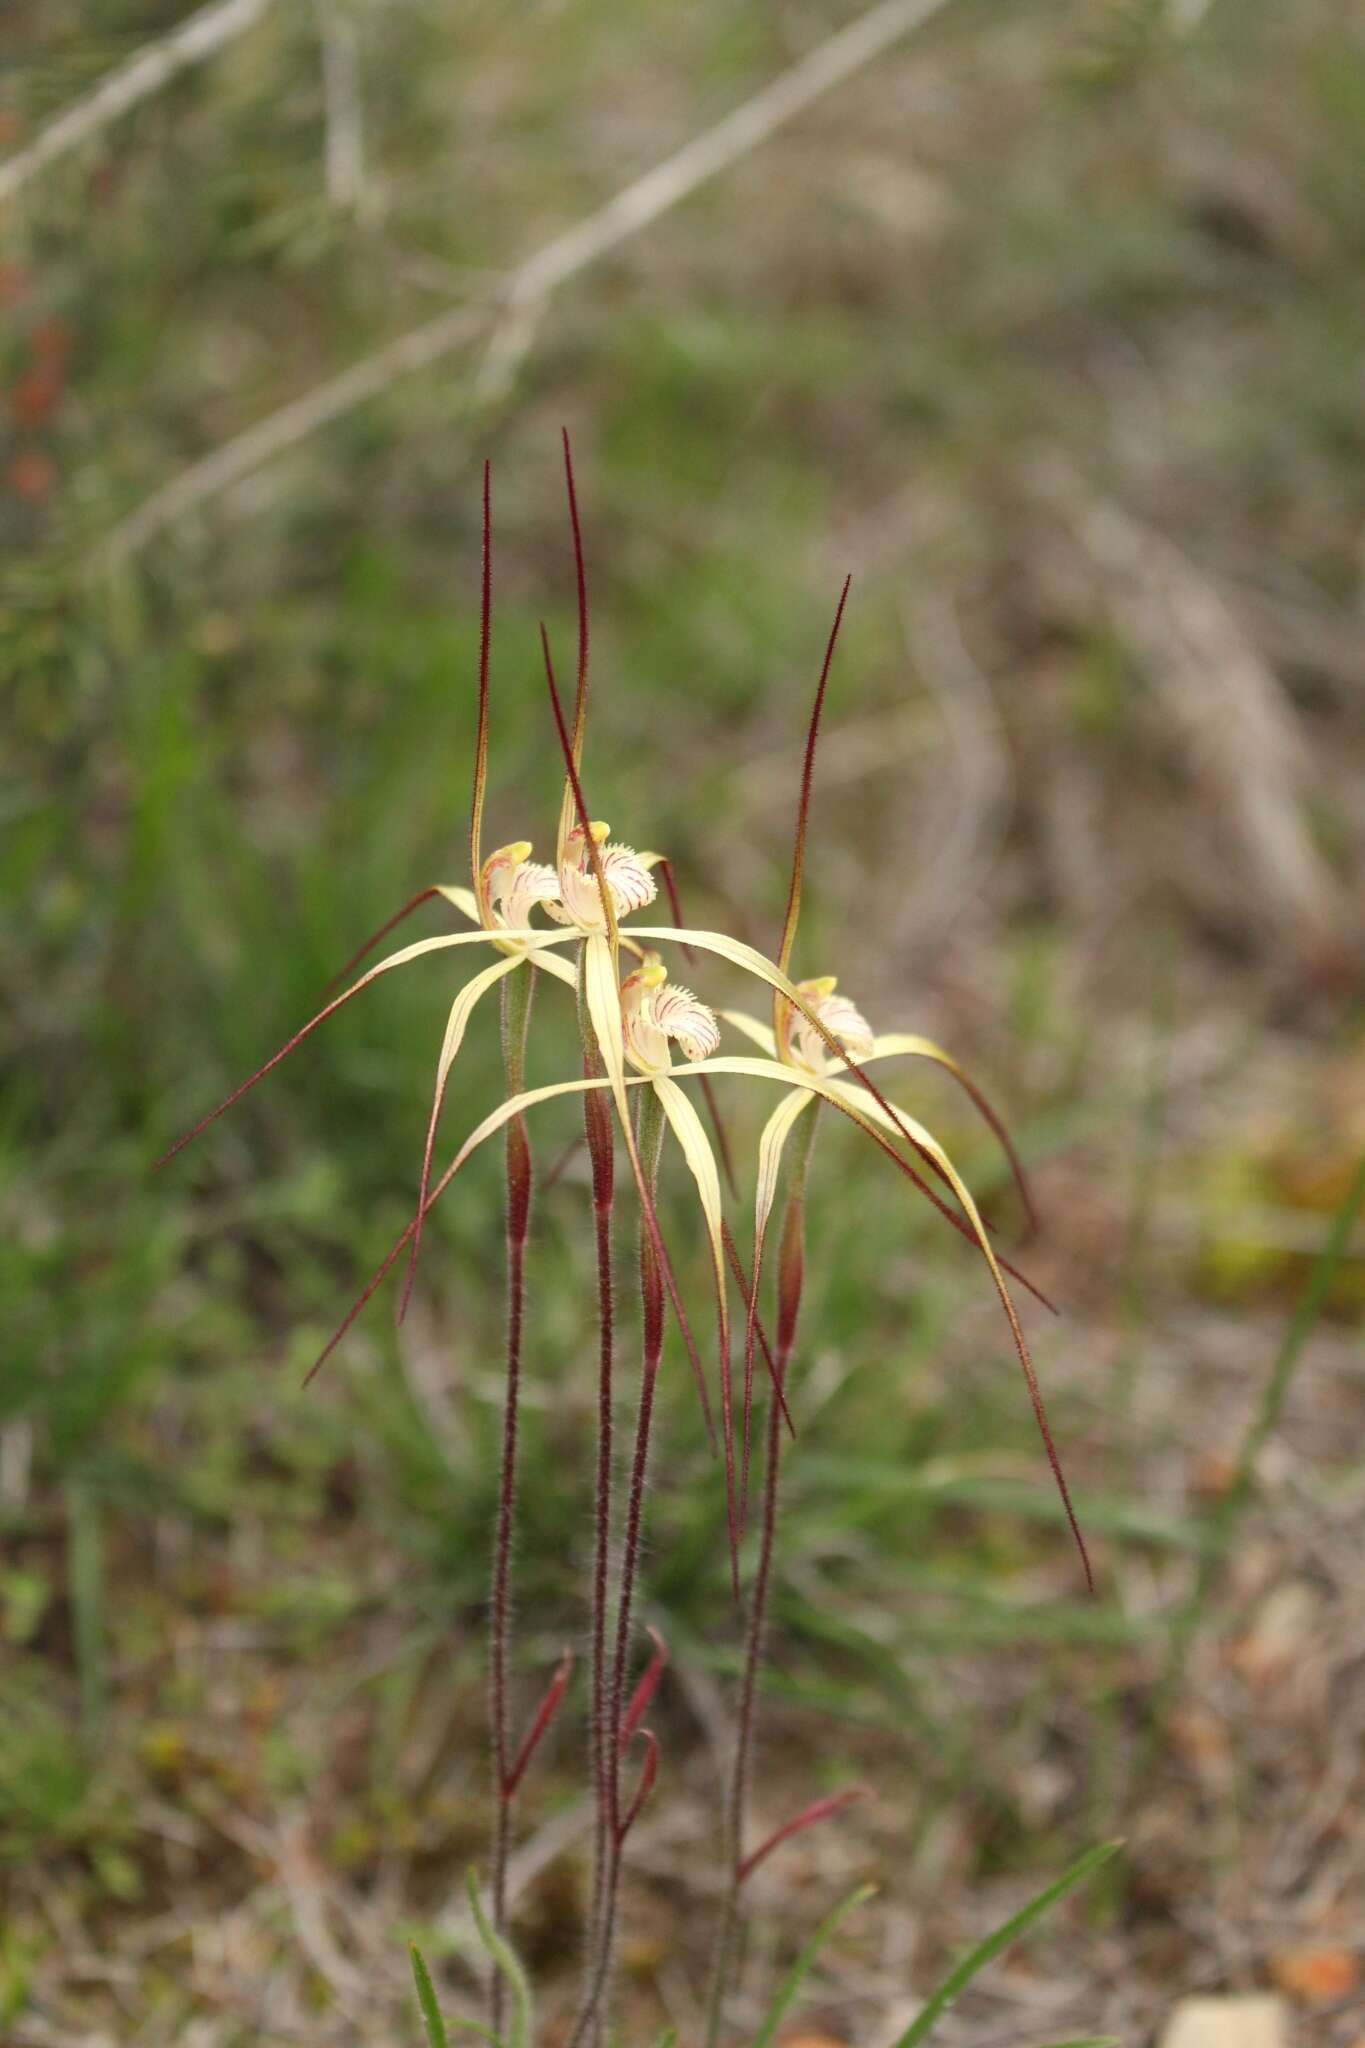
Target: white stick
(196,39)
(345,141)
(624,215)
(1238,726)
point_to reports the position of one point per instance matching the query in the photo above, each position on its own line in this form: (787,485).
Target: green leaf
(958,1978)
(504,1958)
(436,2026)
(437,2036)
(805,1962)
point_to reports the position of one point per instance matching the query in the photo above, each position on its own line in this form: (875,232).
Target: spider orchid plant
(815,1037)
(632,1018)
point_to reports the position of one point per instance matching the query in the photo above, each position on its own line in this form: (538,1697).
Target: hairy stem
(789,1289)
(516,1017)
(650,1143)
(598,1130)
(651,1133)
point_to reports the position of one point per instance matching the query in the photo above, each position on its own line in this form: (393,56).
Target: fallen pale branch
(200,37)
(1224,699)
(968,811)
(638,204)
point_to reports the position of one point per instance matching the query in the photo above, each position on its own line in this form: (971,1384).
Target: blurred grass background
(1046,325)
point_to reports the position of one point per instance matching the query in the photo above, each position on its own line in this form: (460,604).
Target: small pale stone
(1280,1634)
(1256,2022)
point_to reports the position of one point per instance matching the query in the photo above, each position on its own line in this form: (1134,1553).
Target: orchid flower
(598,884)
(510,885)
(807,1018)
(577,899)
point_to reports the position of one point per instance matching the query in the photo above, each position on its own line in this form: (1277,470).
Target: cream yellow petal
(871,1110)
(464,901)
(532,938)
(734,950)
(759,1033)
(770,1147)
(867,1111)
(516,1104)
(862,1105)
(696,1150)
(462,1009)
(550,963)
(603,997)
(747,957)
(888,1044)
(856,1103)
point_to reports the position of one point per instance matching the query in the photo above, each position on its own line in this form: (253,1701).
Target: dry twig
(1223,696)
(197,39)
(344,156)
(529,287)
(969,814)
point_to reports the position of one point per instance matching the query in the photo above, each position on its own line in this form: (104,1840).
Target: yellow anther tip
(507,856)
(599,829)
(821,985)
(653,975)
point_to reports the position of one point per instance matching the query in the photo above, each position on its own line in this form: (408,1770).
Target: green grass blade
(805,1962)
(437,2036)
(958,1978)
(1090,2041)
(953,1485)
(436,2026)
(85,1578)
(504,1958)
